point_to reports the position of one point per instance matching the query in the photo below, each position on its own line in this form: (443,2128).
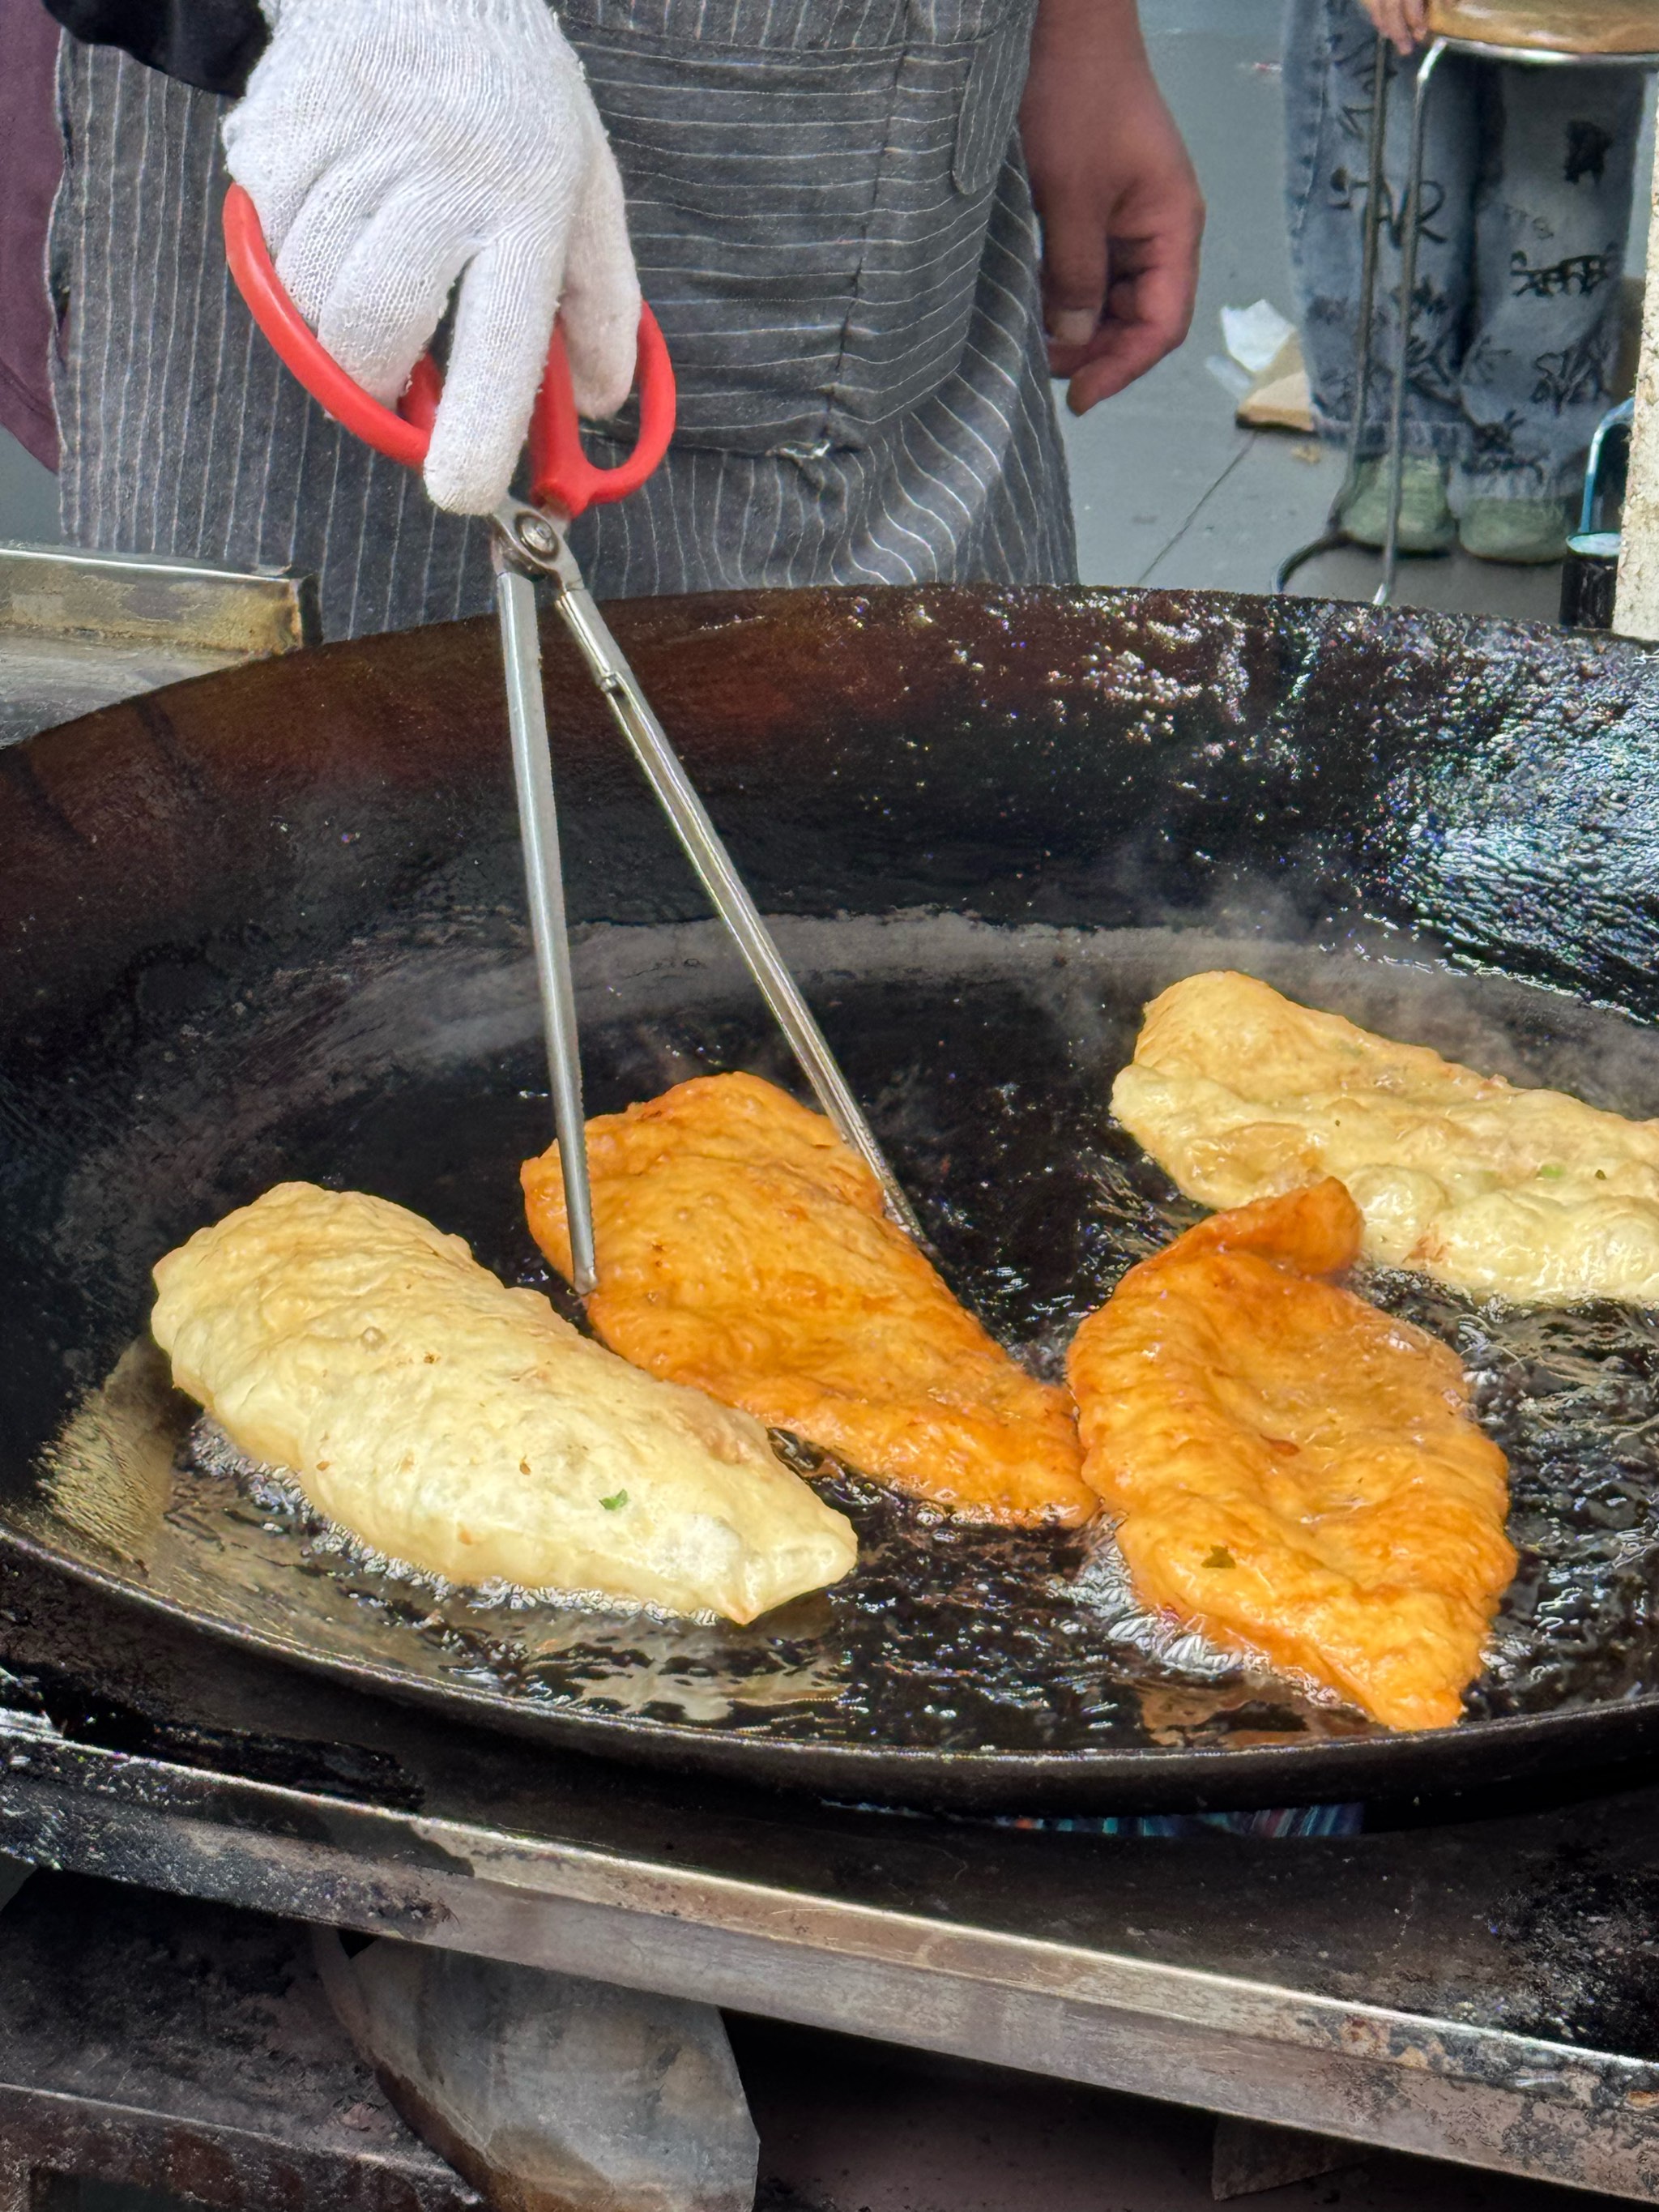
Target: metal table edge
(423,1878)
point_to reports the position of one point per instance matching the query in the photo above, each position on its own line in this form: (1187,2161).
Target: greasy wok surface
(268,923)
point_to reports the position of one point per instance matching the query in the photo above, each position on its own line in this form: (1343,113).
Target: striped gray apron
(832,222)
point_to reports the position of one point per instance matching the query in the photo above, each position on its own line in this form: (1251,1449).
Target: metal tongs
(529,542)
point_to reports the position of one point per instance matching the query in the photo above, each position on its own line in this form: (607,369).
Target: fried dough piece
(458,1425)
(742,1248)
(1295,1471)
(1238,1092)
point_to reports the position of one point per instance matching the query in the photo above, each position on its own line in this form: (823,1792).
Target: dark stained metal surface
(188,2049)
(234,915)
(1479,1988)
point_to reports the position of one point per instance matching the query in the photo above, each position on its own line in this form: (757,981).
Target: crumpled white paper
(1255,337)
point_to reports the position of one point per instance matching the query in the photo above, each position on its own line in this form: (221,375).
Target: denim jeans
(1526,208)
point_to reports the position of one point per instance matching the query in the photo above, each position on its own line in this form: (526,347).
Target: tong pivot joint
(532,540)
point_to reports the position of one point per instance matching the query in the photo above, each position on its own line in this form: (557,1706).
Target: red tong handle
(561,476)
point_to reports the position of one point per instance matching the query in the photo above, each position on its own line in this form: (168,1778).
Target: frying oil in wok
(985,1058)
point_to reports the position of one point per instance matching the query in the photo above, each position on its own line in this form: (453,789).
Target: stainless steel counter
(80,630)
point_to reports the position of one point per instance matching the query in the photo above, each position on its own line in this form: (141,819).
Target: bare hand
(1119,204)
(1404,23)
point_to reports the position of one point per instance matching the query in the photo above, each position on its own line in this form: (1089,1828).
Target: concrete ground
(1167,489)
(28,497)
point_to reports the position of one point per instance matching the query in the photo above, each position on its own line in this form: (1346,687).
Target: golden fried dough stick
(1238,1093)
(1295,1471)
(743,1249)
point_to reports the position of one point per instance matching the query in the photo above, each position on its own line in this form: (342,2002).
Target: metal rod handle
(1411,226)
(538,824)
(1376,216)
(677,796)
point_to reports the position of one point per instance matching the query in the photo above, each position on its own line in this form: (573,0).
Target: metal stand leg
(1408,228)
(1376,201)
(1624,413)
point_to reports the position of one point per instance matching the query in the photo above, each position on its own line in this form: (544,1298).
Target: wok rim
(1142,1778)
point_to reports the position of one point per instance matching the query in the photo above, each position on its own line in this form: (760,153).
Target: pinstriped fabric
(182,433)
(810,224)
(967,486)
(774,26)
(831,223)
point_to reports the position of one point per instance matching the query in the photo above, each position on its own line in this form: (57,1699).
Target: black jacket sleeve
(210,43)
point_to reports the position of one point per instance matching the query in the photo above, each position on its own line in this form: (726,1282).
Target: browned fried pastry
(743,1249)
(1294,1471)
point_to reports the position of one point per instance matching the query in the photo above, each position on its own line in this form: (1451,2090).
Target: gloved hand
(392,146)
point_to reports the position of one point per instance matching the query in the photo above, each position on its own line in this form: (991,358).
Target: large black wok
(269,923)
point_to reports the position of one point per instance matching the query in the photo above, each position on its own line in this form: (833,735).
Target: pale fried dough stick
(1296,1471)
(743,1249)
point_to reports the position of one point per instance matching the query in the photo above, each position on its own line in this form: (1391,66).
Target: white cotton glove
(392,146)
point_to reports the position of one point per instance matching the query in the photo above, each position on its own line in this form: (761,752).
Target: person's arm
(1119,205)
